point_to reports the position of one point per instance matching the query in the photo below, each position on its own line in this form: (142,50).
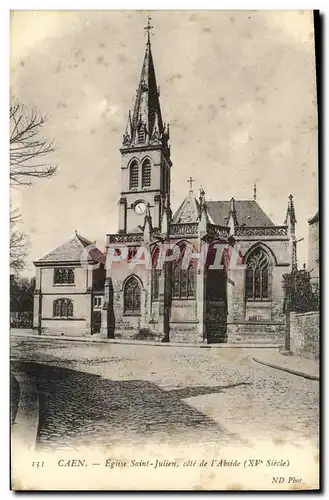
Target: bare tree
(18,243)
(28,151)
(28,148)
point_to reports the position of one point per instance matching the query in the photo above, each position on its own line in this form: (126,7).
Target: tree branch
(27,146)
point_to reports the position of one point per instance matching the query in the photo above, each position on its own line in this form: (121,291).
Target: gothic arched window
(63,308)
(257,275)
(191,280)
(132,296)
(155,283)
(146,174)
(183,281)
(155,274)
(133,175)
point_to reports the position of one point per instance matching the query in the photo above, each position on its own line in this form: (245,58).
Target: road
(105,394)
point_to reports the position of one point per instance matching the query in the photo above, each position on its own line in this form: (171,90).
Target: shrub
(145,334)
(299,294)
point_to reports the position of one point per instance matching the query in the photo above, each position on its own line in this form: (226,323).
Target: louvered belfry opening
(134,175)
(146,173)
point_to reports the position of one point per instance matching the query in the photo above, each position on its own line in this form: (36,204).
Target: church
(239,301)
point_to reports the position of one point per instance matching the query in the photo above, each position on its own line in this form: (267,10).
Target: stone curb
(147,343)
(25,427)
(288,370)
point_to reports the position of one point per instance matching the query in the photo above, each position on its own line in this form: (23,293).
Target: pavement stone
(101,394)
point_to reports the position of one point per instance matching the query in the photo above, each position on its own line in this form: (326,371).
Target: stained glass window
(257,275)
(132,296)
(176,280)
(191,276)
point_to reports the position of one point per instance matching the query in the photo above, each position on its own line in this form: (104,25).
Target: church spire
(146,121)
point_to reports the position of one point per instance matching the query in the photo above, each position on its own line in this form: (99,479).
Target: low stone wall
(184,332)
(305,333)
(70,328)
(255,332)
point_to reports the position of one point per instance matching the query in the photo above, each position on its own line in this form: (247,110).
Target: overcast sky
(237,87)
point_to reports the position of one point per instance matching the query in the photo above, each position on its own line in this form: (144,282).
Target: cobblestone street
(101,394)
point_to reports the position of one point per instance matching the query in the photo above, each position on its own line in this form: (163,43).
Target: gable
(188,210)
(72,251)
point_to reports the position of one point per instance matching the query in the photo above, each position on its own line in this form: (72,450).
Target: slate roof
(72,251)
(247,212)
(147,105)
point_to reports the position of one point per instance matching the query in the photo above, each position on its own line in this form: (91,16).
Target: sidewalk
(297,365)
(96,338)
(25,426)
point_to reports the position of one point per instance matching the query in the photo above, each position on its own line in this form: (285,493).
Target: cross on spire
(190,182)
(148,28)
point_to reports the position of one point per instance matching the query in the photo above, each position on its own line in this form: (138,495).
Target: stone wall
(305,333)
(313,253)
(79,324)
(70,328)
(128,325)
(184,332)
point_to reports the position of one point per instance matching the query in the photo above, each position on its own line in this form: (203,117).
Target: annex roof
(72,251)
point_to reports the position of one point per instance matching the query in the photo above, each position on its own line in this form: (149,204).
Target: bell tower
(145,155)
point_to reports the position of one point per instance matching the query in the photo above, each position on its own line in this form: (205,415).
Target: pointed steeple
(146,121)
(145,153)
